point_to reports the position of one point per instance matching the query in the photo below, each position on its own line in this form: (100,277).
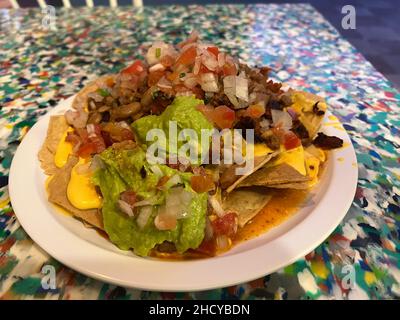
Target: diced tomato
(136,68)
(204,69)
(214,51)
(118,133)
(98,143)
(207,111)
(202,183)
(226,225)
(154,77)
(107,138)
(83,134)
(86,150)
(172,76)
(129,197)
(126,134)
(73,138)
(188,56)
(167,61)
(229,69)
(223,117)
(255,111)
(198,92)
(156,108)
(291,141)
(207,247)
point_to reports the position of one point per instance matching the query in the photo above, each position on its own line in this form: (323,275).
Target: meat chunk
(327,142)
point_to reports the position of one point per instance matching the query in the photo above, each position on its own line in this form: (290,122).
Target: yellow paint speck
(4,203)
(340,159)
(354,164)
(333,118)
(319,268)
(369,277)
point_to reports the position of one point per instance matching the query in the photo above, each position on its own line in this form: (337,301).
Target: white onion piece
(190,82)
(233,100)
(221,59)
(216,206)
(157,67)
(147,202)
(143,216)
(77,119)
(91,130)
(209,231)
(242,88)
(151,55)
(177,203)
(124,124)
(164,83)
(196,67)
(281,118)
(125,208)
(209,82)
(95,96)
(208,59)
(96,163)
(265,123)
(222,242)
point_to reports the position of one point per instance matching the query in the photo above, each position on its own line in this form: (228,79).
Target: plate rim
(219,278)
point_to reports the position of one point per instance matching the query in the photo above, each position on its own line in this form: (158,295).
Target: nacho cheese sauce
(283,205)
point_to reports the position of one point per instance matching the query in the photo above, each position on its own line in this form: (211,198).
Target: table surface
(38,67)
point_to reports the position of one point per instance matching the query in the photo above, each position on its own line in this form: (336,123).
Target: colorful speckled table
(38,67)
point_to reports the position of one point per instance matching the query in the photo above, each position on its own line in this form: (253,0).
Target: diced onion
(91,130)
(125,208)
(147,202)
(265,123)
(196,67)
(143,216)
(223,242)
(208,59)
(164,83)
(221,59)
(190,82)
(96,163)
(209,232)
(216,206)
(157,67)
(209,82)
(281,118)
(177,203)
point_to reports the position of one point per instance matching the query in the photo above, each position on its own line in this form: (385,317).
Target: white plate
(82,249)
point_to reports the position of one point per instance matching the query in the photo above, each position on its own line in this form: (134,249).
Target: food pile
(95,154)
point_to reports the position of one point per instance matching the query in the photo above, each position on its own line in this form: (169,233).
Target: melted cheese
(80,191)
(293,157)
(64,149)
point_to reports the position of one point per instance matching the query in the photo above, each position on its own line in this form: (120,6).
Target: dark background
(377,33)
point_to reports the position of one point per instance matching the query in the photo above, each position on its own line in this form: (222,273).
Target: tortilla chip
(258,163)
(277,175)
(294,185)
(303,104)
(57,126)
(246,202)
(57,192)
